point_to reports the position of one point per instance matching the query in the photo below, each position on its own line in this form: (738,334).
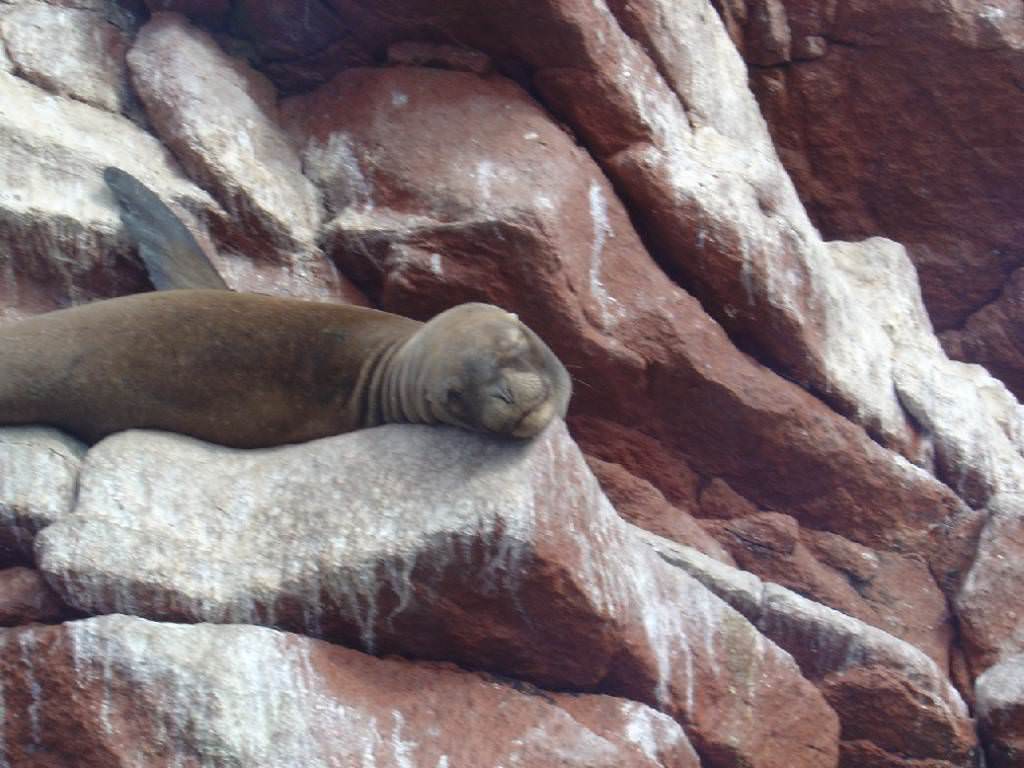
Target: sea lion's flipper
(172,256)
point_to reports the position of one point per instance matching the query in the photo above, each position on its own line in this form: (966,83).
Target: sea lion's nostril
(503,392)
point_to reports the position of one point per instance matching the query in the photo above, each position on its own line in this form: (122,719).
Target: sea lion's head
(478,367)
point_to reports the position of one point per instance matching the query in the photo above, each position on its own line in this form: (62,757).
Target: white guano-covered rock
(61,238)
(1000,696)
(133,692)
(38,477)
(433,543)
(87,64)
(219,117)
(989,605)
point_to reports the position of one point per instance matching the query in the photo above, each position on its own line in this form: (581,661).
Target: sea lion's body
(251,371)
(236,369)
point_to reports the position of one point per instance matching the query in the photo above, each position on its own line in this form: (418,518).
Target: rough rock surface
(210,695)
(88,65)
(38,481)
(224,148)
(392,217)
(529,573)
(989,604)
(936,99)
(60,233)
(1000,693)
(888,591)
(893,702)
(238,153)
(994,335)
(60,240)
(644,505)
(26,598)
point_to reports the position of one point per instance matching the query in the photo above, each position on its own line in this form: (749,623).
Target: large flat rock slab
(432,543)
(124,691)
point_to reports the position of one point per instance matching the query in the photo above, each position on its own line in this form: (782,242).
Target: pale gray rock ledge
(38,477)
(1000,695)
(433,543)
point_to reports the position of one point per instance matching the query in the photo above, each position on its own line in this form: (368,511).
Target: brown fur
(252,371)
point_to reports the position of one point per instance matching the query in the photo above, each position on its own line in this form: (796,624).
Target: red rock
(26,598)
(410,53)
(889,591)
(950,169)
(865,754)
(895,705)
(878,703)
(638,725)
(994,336)
(456,202)
(719,500)
(640,454)
(860,564)
(642,504)
(123,691)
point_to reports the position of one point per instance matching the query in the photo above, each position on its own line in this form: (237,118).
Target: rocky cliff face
(781,528)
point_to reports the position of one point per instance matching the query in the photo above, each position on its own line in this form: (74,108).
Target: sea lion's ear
(172,256)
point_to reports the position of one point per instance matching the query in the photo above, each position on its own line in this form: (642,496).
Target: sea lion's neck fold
(397,383)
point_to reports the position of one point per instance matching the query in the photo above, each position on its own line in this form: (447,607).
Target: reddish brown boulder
(421,226)
(877,731)
(642,504)
(927,89)
(123,691)
(890,591)
(895,706)
(26,598)
(409,53)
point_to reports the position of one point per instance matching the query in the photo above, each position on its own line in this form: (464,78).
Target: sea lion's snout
(525,404)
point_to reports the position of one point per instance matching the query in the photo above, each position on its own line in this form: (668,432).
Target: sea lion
(252,371)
